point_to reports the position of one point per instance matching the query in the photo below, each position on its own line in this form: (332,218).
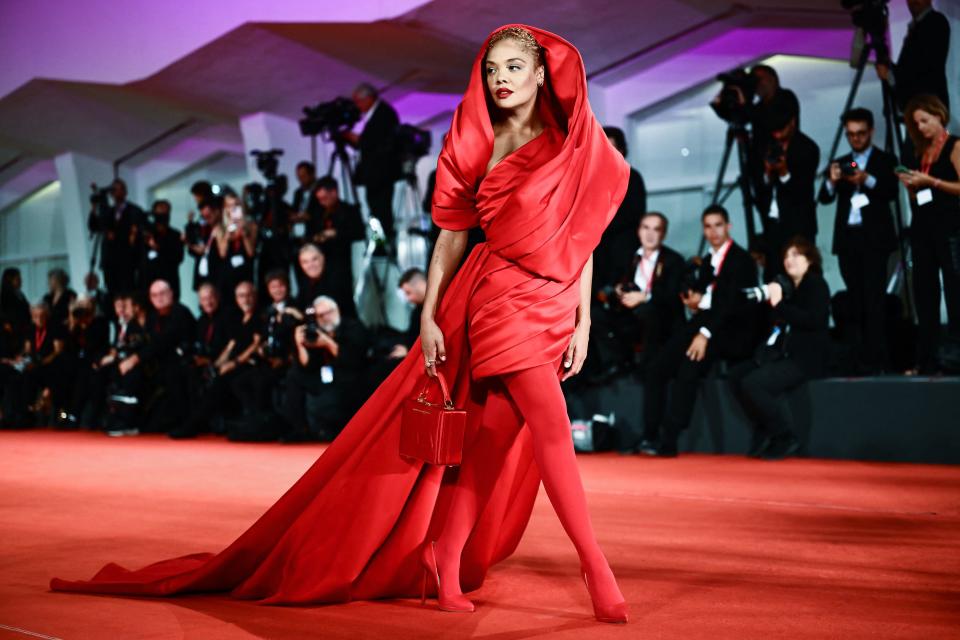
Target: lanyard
(648,279)
(723,258)
(937,148)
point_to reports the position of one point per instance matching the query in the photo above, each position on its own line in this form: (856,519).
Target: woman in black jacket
(794,352)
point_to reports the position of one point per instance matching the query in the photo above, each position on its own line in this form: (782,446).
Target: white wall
(32,239)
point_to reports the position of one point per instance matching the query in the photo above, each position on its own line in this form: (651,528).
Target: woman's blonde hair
(932,105)
(523,38)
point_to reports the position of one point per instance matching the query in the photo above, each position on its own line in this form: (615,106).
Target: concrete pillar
(75,172)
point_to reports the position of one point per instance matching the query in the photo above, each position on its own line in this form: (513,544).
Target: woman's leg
(536,393)
(499,427)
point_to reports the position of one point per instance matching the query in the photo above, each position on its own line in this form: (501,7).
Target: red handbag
(431,431)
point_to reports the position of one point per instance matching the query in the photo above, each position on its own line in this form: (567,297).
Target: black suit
(655,321)
(731,322)
(162,263)
(921,67)
(863,251)
(380,164)
(119,248)
(795,202)
(620,237)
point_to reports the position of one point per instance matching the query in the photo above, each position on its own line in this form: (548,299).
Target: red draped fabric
(351,526)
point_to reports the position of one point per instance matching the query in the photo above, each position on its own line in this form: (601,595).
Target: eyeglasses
(858,134)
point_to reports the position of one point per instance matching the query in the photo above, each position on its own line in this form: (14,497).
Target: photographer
(234,369)
(619,238)
(87,342)
(162,250)
(59,297)
(211,335)
(318,282)
(794,352)
(786,193)
(721,326)
(124,391)
(236,245)
(331,354)
(305,206)
(336,226)
(119,227)
(922,65)
(380,163)
(200,239)
(170,330)
(864,184)
(279,320)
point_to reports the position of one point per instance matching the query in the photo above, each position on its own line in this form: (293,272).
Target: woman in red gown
(527,161)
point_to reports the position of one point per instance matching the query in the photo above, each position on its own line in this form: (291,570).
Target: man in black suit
(380,163)
(119,227)
(922,64)
(619,238)
(162,250)
(864,184)
(305,207)
(722,324)
(648,310)
(318,282)
(334,228)
(786,195)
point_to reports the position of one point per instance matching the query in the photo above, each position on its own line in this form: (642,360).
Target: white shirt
(716,259)
(365,117)
(646,267)
(861,158)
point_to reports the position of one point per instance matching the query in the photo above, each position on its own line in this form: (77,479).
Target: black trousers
(328,411)
(762,388)
(864,272)
(380,203)
(665,416)
(936,251)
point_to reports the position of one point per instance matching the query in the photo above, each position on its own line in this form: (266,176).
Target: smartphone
(901,169)
(236,213)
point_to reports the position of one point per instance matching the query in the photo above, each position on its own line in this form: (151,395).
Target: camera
(267,162)
(871,17)
(762,293)
(774,152)
(736,83)
(848,168)
(329,118)
(311,331)
(695,277)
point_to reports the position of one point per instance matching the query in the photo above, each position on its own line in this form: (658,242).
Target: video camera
(736,96)
(329,118)
(871,17)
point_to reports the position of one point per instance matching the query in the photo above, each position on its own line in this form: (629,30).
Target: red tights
(533,396)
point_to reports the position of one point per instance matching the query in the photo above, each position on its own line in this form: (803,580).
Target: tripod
(893,144)
(738,135)
(413,226)
(346,178)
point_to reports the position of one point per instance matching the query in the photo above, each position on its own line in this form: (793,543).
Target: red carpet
(704,547)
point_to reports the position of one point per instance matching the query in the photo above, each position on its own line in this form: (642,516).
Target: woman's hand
(577,351)
(774,293)
(915,179)
(431,341)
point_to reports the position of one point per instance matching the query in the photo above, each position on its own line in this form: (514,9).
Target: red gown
(351,526)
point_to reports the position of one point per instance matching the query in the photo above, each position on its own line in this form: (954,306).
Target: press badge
(299,229)
(859,200)
(236,261)
(152,254)
(326,374)
(203,268)
(925,196)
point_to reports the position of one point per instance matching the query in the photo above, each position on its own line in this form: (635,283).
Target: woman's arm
(918,180)
(446,256)
(577,350)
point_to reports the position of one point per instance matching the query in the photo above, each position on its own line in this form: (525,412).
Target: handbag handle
(447,401)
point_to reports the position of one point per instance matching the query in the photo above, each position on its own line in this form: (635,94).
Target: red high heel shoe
(615,613)
(428,558)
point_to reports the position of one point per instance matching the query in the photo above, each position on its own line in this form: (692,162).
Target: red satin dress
(352,525)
